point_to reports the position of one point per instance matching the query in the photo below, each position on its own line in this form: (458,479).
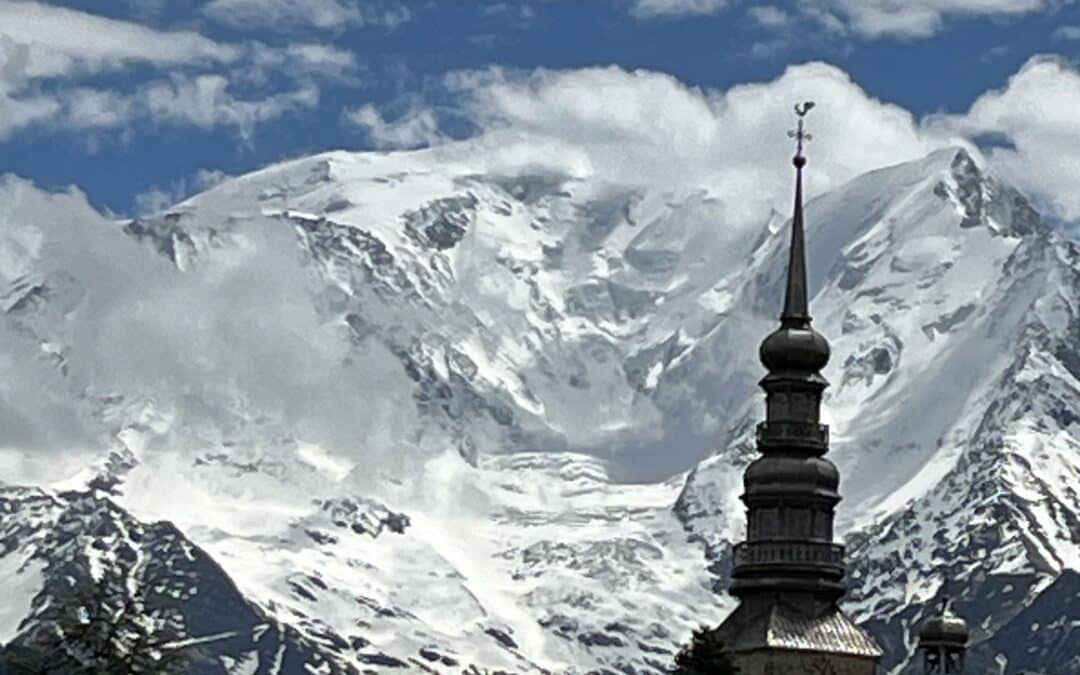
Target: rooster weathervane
(800,134)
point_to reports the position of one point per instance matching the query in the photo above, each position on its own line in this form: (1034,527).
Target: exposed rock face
(76,540)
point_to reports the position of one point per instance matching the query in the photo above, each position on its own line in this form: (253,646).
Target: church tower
(788,574)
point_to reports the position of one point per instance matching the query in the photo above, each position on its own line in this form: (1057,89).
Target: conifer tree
(704,655)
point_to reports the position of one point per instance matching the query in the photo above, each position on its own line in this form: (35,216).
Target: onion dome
(814,475)
(945,628)
(800,349)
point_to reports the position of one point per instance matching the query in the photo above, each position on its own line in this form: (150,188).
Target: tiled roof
(785,627)
(832,632)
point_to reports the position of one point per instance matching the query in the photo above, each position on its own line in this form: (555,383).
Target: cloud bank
(648,128)
(1032,126)
(51,74)
(230,352)
(643,128)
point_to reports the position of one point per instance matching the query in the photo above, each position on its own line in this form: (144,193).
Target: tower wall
(775,662)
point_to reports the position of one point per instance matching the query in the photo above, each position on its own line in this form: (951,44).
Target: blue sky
(143,101)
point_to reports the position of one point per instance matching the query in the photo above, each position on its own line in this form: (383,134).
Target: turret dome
(815,475)
(944,628)
(799,349)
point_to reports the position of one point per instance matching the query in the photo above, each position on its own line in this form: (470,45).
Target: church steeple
(788,574)
(791,490)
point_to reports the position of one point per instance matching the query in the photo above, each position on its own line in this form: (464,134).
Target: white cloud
(158,198)
(317,59)
(767,49)
(996,52)
(42,41)
(289,14)
(920,18)
(45,44)
(864,18)
(205,101)
(520,15)
(86,108)
(650,129)
(416,128)
(1067,33)
(55,41)
(202,378)
(16,113)
(647,9)
(1033,120)
(769,16)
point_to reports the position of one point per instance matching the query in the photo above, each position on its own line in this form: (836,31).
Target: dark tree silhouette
(704,655)
(104,628)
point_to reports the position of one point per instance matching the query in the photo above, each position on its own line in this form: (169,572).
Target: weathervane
(800,134)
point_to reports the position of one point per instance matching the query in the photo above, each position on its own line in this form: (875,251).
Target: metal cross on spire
(800,134)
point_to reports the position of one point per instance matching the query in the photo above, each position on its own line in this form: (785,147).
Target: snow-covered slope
(528,305)
(451,428)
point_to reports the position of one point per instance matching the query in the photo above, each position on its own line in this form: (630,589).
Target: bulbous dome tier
(814,475)
(944,628)
(795,349)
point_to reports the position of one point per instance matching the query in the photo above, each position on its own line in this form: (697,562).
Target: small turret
(943,642)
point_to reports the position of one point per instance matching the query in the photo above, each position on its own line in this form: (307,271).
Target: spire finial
(796,306)
(800,134)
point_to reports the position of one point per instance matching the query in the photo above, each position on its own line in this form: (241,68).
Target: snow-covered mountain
(405,412)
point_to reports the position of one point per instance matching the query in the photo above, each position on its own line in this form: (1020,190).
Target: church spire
(796,307)
(796,349)
(789,573)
